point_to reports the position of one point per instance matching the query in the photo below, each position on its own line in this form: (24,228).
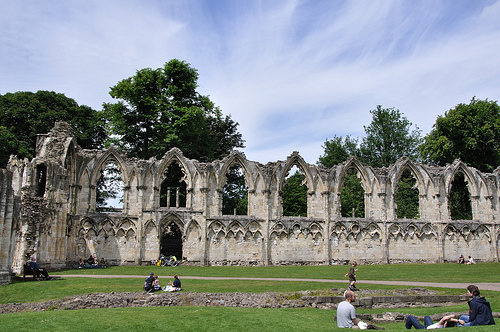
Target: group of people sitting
(92,263)
(152,284)
(461,260)
(479,314)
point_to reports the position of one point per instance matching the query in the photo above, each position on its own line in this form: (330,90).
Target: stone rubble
(157,299)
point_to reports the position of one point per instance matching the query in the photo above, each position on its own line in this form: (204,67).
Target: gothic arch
(456,167)
(296,159)
(353,162)
(113,154)
(235,158)
(174,155)
(150,224)
(171,217)
(404,164)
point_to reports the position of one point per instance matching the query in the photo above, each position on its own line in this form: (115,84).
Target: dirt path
(482,286)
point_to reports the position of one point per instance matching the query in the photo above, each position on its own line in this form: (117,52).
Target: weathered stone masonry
(47,209)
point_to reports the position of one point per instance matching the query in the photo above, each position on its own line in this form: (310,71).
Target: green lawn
(222,318)
(448,272)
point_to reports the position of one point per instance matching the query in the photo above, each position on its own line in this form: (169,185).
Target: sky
(292,73)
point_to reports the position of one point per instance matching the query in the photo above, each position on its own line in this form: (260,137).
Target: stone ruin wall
(53,216)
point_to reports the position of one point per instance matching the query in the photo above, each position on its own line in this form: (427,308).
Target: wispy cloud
(292,73)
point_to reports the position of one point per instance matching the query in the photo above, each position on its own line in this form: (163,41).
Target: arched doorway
(171,240)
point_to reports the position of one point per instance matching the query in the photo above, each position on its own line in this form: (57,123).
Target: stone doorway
(171,241)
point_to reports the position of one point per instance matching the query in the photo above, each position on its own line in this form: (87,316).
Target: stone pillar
(203,224)
(383,206)
(177,197)
(440,238)
(266,247)
(6,208)
(476,212)
(327,218)
(385,243)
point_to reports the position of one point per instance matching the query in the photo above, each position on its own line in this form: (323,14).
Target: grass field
(222,318)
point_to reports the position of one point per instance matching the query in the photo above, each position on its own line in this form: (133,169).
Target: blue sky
(291,73)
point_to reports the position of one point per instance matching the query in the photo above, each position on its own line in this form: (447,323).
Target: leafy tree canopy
(23,115)
(389,137)
(338,149)
(159,109)
(470,132)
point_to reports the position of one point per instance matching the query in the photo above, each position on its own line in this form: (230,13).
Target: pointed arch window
(41,180)
(459,202)
(235,192)
(294,194)
(109,188)
(407,198)
(173,188)
(352,196)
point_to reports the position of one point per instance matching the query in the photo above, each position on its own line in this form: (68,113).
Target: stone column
(6,208)
(266,247)
(327,218)
(440,239)
(203,224)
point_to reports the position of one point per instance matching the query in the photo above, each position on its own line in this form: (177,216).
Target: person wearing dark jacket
(479,310)
(148,284)
(38,270)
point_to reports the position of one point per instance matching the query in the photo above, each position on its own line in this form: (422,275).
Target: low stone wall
(390,301)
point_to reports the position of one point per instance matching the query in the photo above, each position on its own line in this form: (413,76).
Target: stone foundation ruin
(48,209)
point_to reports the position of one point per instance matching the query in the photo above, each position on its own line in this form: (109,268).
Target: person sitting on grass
(446,321)
(479,310)
(156,284)
(174,286)
(148,284)
(346,314)
(470,261)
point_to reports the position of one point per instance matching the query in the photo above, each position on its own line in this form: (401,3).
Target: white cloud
(292,73)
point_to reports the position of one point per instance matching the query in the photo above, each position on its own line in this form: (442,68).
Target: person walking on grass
(352,276)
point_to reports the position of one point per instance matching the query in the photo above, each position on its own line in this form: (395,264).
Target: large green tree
(337,150)
(470,132)
(159,109)
(23,115)
(389,137)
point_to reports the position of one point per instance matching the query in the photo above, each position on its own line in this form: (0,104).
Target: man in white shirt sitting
(346,314)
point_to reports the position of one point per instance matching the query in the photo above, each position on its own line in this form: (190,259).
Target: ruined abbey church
(48,210)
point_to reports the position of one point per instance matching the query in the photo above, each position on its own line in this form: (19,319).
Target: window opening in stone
(173,188)
(459,202)
(407,198)
(41,180)
(171,241)
(235,192)
(352,195)
(109,189)
(294,194)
